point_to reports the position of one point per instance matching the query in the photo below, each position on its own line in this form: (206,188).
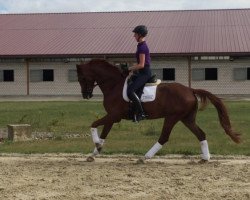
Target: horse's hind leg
(189,122)
(166,130)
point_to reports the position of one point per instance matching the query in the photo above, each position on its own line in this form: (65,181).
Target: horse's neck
(108,82)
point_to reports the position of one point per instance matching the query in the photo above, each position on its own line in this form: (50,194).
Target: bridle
(87,93)
(88,87)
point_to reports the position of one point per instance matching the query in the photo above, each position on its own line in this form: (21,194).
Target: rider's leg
(132,88)
(137,103)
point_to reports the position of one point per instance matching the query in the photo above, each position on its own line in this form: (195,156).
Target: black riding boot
(140,115)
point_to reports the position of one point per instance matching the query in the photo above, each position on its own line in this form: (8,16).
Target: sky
(55,6)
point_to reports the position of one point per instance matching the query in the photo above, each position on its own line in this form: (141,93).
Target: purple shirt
(142,48)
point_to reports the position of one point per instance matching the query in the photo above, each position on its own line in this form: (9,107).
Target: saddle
(151,82)
(146,93)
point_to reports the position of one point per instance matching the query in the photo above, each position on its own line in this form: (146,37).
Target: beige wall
(61,86)
(225,83)
(18,87)
(180,65)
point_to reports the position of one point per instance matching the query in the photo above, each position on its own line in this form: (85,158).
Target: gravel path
(70,177)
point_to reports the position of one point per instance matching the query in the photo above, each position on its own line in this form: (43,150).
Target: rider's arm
(140,65)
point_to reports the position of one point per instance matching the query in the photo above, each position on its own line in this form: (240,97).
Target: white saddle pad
(149,92)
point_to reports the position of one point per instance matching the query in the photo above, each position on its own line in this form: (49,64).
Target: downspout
(189,72)
(27,76)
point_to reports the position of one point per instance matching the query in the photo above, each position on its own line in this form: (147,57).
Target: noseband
(87,93)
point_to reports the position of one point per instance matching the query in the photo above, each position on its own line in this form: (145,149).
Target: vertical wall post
(189,72)
(27,76)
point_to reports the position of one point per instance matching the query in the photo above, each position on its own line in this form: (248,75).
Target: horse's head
(86,80)
(102,72)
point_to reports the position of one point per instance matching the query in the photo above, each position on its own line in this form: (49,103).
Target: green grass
(125,137)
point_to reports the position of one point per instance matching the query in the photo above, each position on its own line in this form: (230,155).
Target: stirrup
(134,118)
(139,117)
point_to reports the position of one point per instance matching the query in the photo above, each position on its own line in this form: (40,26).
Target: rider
(143,70)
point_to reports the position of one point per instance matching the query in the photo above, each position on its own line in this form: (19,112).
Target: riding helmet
(141,30)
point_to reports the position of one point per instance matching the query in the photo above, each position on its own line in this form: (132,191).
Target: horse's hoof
(202,161)
(90,159)
(98,147)
(140,161)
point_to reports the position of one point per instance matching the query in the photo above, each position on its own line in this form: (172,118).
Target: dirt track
(70,177)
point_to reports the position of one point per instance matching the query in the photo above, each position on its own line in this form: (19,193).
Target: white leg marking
(153,150)
(95,136)
(205,151)
(96,152)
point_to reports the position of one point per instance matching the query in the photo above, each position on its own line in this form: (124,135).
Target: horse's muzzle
(87,95)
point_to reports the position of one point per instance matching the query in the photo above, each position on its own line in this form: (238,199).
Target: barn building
(208,49)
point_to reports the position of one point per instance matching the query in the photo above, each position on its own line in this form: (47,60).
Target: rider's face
(137,37)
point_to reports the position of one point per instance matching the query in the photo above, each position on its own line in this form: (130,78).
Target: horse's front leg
(108,122)
(99,141)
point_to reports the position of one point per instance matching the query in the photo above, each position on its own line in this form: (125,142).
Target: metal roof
(190,32)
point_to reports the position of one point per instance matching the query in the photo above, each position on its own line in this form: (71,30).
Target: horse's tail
(222,112)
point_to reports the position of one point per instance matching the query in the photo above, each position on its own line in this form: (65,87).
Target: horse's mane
(105,64)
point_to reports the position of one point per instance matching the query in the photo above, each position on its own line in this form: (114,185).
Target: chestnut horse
(174,102)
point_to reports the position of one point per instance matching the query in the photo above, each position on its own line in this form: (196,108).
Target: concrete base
(19,132)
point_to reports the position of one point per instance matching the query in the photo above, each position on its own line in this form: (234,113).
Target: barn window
(48,75)
(248,73)
(6,75)
(201,74)
(72,75)
(36,75)
(168,74)
(41,75)
(211,74)
(198,74)
(241,74)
